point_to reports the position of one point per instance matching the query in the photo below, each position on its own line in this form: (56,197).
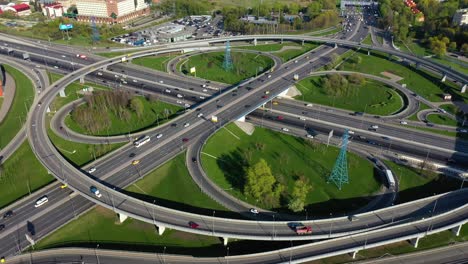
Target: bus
(141,141)
(390,178)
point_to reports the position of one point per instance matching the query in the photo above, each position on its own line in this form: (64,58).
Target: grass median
(289,157)
(371,97)
(158,63)
(16,116)
(209,66)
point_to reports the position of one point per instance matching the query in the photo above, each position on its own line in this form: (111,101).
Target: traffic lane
(390,130)
(377,141)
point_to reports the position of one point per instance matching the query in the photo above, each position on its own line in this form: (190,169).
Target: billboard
(66,26)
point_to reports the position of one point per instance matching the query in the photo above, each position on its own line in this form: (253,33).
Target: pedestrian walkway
(8,96)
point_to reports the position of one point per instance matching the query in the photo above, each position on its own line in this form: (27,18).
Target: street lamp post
(212,223)
(164,256)
(331,225)
(97,255)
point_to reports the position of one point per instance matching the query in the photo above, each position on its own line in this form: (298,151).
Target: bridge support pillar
(122,217)
(355,253)
(48,110)
(225,241)
(302,42)
(368,52)
(62,93)
(281,41)
(444,78)
(335,46)
(161,229)
(255,42)
(456,230)
(81,80)
(463,90)
(241,119)
(415,242)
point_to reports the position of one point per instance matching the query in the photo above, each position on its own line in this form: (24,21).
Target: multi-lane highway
(201,126)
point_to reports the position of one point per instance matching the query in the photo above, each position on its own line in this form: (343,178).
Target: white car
(285,129)
(309,136)
(205,90)
(179,102)
(253,211)
(202,97)
(161,81)
(92,169)
(187,105)
(200,115)
(204,85)
(403,122)
(167,91)
(179,96)
(186,124)
(374,126)
(56,67)
(269,76)
(99,73)
(302,118)
(309,105)
(159,135)
(135,81)
(350,132)
(41,201)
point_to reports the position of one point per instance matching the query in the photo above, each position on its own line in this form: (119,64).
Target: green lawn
(415,184)
(154,62)
(24,97)
(373,97)
(422,106)
(166,184)
(293,53)
(22,174)
(288,157)
(368,40)
(1,102)
(442,120)
(154,113)
(422,82)
(209,66)
(268,47)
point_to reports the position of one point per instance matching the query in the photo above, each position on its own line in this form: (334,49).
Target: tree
(356,78)
(137,106)
(464,49)
(438,45)
(299,194)
(261,184)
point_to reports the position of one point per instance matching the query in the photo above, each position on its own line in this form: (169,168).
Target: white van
(41,201)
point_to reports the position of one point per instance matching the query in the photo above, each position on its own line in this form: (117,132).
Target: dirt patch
(393,77)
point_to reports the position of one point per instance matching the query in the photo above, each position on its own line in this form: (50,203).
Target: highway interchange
(123,175)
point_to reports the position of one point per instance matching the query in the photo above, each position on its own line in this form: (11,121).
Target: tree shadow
(234,165)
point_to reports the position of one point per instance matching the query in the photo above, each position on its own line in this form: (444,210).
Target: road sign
(31,241)
(192,70)
(329,136)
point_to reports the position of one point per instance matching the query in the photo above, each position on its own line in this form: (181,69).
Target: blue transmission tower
(227,63)
(339,174)
(95,35)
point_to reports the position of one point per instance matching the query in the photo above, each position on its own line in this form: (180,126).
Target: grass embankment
(422,82)
(416,183)
(287,55)
(288,157)
(268,47)
(209,66)
(169,185)
(373,97)
(22,173)
(158,63)
(422,106)
(16,117)
(172,186)
(442,120)
(368,40)
(154,113)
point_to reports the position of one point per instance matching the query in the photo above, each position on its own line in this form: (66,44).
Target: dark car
(185,139)
(8,214)
(194,160)
(132,155)
(264,97)
(2,227)
(280,117)
(193,224)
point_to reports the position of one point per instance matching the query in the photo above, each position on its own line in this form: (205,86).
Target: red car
(81,56)
(264,97)
(280,117)
(185,139)
(193,225)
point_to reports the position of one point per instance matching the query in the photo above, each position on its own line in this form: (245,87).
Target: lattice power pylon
(95,35)
(227,63)
(339,175)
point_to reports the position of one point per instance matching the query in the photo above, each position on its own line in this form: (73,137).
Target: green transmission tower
(339,175)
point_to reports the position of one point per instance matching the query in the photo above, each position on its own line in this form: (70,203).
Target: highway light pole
(96,252)
(367,234)
(331,225)
(212,222)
